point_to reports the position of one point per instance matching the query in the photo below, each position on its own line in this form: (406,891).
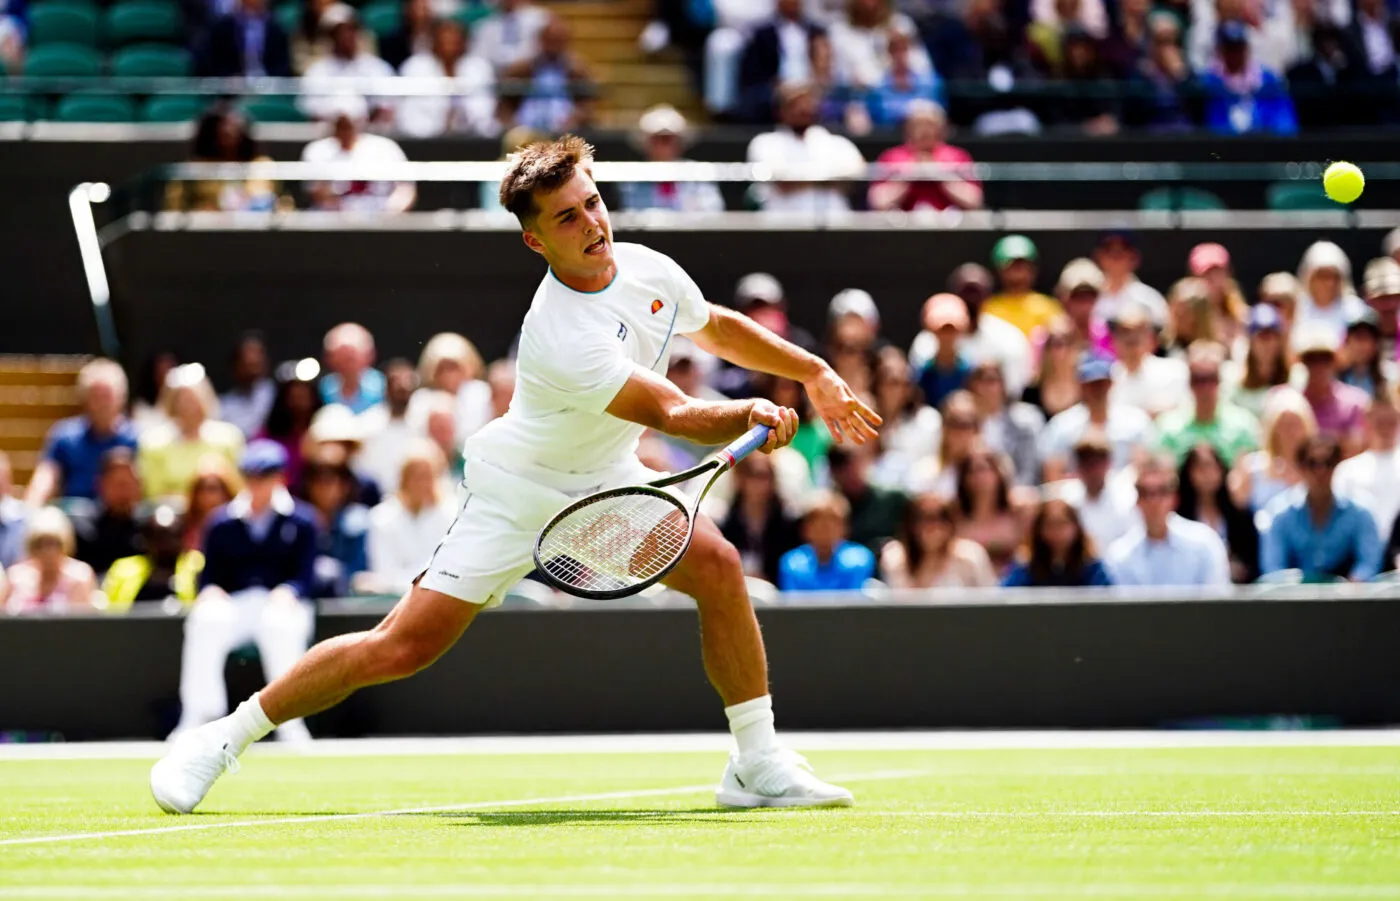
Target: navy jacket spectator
(286,555)
(76,449)
(224,54)
(761,67)
(1093,573)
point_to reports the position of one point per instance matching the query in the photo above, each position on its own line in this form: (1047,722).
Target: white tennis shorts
(490,545)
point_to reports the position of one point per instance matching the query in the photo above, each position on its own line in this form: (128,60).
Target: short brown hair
(542,166)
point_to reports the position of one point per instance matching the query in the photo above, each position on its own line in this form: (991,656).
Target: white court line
(444,808)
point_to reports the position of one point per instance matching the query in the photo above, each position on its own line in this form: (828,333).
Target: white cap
(337,14)
(1392,242)
(758,286)
(854,300)
(336,422)
(662,119)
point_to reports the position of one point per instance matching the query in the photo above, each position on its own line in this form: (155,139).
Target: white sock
(752,725)
(247,724)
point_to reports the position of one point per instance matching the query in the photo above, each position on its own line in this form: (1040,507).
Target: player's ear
(532,242)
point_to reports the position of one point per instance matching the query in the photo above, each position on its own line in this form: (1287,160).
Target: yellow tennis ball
(1343,182)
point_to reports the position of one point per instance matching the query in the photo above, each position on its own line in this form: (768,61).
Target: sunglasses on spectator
(1205,378)
(209,485)
(1157,491)
(961,422)
(987,375)
(1056,340)
(1091,456)
(1319,463)
(933,518)
(848,349)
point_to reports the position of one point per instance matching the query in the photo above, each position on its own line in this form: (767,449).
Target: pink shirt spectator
(1341,414)
(927,195)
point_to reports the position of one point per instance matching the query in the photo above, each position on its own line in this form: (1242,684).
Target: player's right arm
(651,400)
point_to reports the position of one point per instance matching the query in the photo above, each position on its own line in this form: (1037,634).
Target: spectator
(73,448)
(440,425)
(1324,535)
(1189,317)
(1007,428)
(1078,290)
(988,338)
(324,93)
(1127,428)
(450,364)
(1390,246)
(1371,32)
(49,579)
(388,427)
(1091,101)
(259,568)
(334,426)
(1168,550)
(902,85)
(471,105)
(308,41)
(925,126)
(1142,379)
(664,134)
(911,428)
(1382,287)
(145,412)
(223,135)
(1327,299)
(760,297)
(1372,477)
(161,569)
(351,378)
(799,146)
(1163,79)
(512,34)
(850,349)
(109,529)
(945,316)
(928,553)
(1014,257)
(1243,97)
(248,42)
(985,511)
(1206,499)
(1056,386)
(1259,477)
(559,92)
(247,404)
(1281,290)
(14,516)
(872,513)
(500,378)
(289,420)
(1226,304)
(827,561)
(414,36)
(1058,552)
(1363,367)
(860,43)
(756,524)
(12,39)
(350,143)
(1326,85)
(779,50)
(214,485)
(1107,506)
(170,456)
(1340,409)
(1247,385)
(1118,257)
(939,473)
(1221,424)
(408,524)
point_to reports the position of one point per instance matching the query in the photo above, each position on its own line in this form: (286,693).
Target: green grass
(1181,823)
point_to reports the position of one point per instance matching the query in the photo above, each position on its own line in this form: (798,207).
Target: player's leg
(762,773)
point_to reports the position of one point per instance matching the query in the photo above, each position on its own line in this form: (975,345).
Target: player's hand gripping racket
(620,541)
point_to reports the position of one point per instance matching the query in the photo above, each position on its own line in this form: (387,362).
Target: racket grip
(745,444)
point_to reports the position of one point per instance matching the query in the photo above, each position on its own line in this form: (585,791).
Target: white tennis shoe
(778,778)
(181,779)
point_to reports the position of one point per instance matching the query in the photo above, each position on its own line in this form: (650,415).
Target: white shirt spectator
(1135,291)
(795,60)
(1105,518)
(507,38)
(323,90)
(471,107)
(1127,428)
(401,542)
(1372,479)
(995,340)
(248,411)
(815,152)
(860,56)
(1308,316)
(361,196)
(1192,554)
(1092,15)
(1160,384)
(387,441)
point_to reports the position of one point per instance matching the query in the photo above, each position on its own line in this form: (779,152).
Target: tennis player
(593,352)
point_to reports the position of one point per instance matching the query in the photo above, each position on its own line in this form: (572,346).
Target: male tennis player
(593,352)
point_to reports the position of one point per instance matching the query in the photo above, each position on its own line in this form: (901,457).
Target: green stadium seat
(288,15)
(63,22)
(62,60)
(1287,196)
(381,17)
(13,108)
(273,108)
(1183,197)
(174,108)
(95,108)
(143,20)
(152,61)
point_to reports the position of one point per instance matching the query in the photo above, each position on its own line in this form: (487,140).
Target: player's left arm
(743,342)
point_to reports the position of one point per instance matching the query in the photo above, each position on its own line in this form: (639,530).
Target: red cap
(1205,257)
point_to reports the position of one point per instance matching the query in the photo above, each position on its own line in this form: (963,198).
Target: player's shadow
(630,817)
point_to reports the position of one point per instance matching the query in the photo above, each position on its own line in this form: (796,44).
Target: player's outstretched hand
(783,421)
(845,415)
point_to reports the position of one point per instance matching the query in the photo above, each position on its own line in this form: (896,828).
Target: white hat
(1392,242)
(662,119)
(758,286)
(337,14)
(854,300)
(336,422)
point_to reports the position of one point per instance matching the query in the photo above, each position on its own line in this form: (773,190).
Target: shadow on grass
(630,817)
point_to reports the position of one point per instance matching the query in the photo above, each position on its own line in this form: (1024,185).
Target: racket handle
(745,444)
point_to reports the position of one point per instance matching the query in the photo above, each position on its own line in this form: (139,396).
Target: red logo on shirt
(656,305)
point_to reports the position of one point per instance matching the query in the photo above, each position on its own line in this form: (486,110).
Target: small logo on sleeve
(621,332)
(656,305)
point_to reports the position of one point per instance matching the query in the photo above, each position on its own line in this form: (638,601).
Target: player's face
(572,231)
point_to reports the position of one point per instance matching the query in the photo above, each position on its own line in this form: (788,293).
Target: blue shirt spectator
(276,548)
(1167,549)
(888,100)
(76,445)
(369,393)
(847,569)
(937,382)
(14,518)
(351,378)
(1346,545)
(1242,97)
(1093,573)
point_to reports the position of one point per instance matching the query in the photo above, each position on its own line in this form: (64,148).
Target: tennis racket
(618,542)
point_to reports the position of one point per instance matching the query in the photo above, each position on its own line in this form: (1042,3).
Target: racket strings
(616,542)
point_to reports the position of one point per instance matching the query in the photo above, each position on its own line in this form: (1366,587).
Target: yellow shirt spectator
(170,454)
(1027,310)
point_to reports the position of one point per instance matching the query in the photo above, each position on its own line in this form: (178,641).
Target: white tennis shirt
(576,351)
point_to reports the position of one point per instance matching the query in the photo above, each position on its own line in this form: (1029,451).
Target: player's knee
(717,563)
(394,656)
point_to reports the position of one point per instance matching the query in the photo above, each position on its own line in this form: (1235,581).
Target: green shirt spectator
(1206,419)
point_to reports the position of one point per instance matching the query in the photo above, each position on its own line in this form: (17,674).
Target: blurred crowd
(1110,434)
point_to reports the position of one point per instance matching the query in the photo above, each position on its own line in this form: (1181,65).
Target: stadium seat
(174,108)
(13,108)
(63,59)
(63,22)
(152,60)
(1182,197)
(143,20)
(1287,196)
(381,17)
(288,15)
(95,108)
(273,108)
